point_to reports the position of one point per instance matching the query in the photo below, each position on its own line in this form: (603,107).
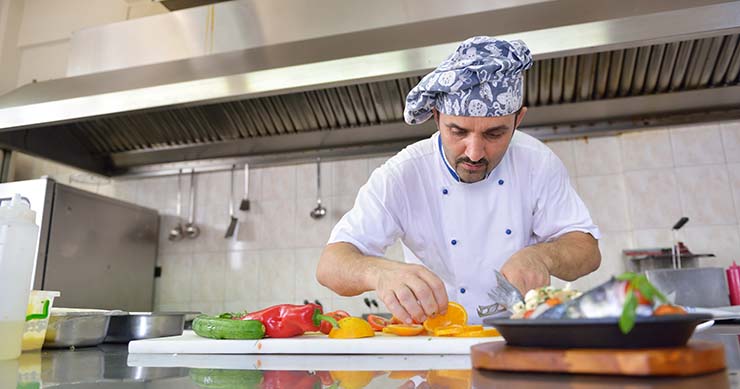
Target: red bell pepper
(337,315)
(377,322)
(288,320)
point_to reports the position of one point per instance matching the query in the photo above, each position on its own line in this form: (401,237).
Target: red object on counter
(337,315)
(288,320)
(733,283)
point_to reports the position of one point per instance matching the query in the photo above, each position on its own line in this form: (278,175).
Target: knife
(504,296)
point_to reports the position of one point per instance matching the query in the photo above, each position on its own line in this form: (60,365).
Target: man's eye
(458,133)
(495,135)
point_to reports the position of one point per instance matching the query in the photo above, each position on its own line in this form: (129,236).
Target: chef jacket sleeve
(373,223)
(558,208)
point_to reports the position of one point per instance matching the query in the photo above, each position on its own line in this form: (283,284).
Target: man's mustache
(467,160)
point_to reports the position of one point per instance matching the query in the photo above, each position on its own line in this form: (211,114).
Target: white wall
(37,33)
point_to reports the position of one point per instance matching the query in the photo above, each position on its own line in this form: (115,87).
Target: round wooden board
(697,357)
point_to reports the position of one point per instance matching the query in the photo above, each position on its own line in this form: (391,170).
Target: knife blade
(504,296)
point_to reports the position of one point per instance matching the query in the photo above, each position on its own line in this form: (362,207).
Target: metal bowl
(77,327)
(145,325)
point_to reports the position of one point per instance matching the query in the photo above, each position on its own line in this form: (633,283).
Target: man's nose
(475,149)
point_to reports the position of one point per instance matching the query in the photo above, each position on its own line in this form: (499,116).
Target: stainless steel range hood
(600,66)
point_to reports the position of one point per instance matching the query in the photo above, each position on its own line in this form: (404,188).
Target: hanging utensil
(234,221)
(191,230)
(244,206)
(319,211)
(176,233)
(676,249)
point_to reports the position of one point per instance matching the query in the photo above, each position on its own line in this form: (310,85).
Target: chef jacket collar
(452,171)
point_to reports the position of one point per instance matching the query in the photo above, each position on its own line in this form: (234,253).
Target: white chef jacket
(461,231)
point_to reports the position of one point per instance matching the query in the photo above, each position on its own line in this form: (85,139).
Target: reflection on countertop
(110,366)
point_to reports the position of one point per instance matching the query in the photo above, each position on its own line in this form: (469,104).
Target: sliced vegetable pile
(286,320)
(626,296)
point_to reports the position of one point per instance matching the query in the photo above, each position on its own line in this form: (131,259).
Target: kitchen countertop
(110,366)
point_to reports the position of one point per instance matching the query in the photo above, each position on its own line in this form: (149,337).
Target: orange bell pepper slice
(403,329)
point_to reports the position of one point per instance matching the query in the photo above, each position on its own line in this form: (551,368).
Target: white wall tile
(734,176)
(175,283)
(209,277)
(653,198)
(306,261)
(731,140)
(249,228)
(277,276)
(349,176)
(606,199)
(306,180)
(697,145)
(241,305)
(564,150)
(242,276)
(278,224)
(653,238)
(722,241)
(706,196)
(597,156)
(207,307)
(279,183)
(646,150)
(611,245)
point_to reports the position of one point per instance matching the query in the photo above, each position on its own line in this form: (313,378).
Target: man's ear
(518,118)
(436,117)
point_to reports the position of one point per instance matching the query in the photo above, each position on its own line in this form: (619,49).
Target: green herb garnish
(629,312)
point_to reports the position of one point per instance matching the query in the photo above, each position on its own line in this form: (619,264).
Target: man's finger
(438,289)
(424,295)
(408,300)
(394,306)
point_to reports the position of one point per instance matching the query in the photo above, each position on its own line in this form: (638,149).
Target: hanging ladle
(233,221)
(176,233)
(191,230)
(319,211)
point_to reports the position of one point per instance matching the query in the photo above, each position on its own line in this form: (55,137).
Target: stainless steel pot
(145,325)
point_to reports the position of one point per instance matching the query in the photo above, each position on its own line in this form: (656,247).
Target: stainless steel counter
(110,366)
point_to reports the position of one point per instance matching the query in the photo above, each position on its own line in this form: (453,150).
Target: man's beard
(471,176)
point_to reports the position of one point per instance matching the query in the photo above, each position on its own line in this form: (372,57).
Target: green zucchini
(226,379)
(219,328)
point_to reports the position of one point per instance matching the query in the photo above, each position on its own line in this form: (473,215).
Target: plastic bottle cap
(18,209)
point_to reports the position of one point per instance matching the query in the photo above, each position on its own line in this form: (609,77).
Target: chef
(475,197)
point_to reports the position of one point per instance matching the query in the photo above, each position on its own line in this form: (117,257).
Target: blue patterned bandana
(483,77)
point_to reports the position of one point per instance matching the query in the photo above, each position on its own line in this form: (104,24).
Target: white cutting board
(189,343)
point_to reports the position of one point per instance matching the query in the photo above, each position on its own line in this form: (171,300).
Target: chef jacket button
(462,290)
(454,242)
(445,191)
(500,182)
(508,231)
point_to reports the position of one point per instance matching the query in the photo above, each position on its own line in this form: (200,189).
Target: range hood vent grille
(671,67)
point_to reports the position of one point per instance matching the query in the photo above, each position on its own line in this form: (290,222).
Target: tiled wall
(636,185)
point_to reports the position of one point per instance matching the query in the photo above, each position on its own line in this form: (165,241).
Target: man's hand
(412,293)
(526,270)
(568,257)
